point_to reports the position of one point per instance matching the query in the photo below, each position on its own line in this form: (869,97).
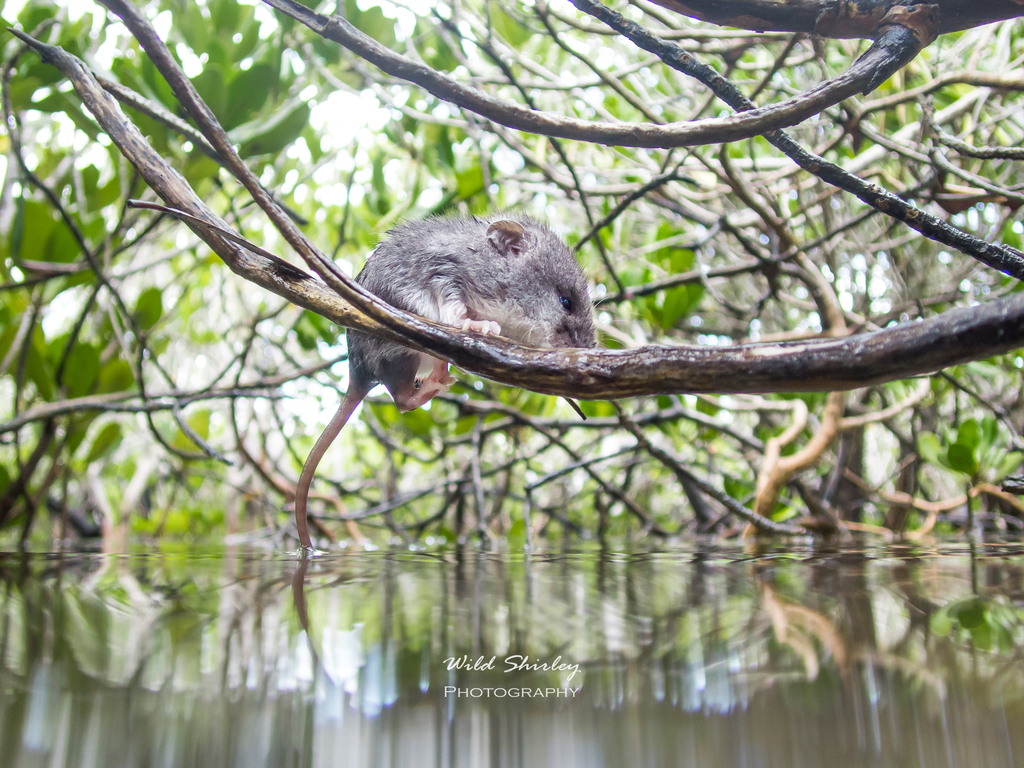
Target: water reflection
(901,657)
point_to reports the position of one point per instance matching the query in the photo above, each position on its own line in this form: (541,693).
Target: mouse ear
(508,237)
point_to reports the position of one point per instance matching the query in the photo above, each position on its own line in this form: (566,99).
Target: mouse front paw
(482,326)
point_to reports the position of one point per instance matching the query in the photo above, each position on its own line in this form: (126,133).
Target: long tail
(353,397)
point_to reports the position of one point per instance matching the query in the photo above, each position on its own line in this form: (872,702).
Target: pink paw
(482,326)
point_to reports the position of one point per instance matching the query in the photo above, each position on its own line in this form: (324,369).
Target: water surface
(706,657)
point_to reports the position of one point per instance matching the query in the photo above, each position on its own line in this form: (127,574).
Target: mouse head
(551,303)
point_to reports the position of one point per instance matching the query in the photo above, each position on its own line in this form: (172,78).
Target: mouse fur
(506,274)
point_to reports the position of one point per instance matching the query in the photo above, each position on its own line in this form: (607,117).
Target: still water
(869,656)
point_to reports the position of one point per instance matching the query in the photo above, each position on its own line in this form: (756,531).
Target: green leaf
(115,376)
(276,132)
(200,424)
(105,442)
(372,22)
(470,182)
(961,458)
(710,409)
(419,422)
(310,327)
(514,33)
(435,50)
(386,413)
(21,91)
(248,92)
(735,488)
(597,409)
(1007,464)
(34,226)
(78,427)
(149,308)
(81,369)
(210,84)
(969,434)
(930,449)
(61,102)
(226,16)
(377,176)
(38,367)
(989,432)
(678,302)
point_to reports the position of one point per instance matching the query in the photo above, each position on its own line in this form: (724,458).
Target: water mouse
(506,274)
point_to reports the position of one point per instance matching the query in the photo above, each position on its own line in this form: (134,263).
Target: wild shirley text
(514,663)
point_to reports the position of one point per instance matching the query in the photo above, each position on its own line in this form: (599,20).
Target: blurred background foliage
(145,388)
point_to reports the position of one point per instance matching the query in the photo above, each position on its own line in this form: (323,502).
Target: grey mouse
(507,274)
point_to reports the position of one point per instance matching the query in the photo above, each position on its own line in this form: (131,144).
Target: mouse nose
(585,336)
(578,337)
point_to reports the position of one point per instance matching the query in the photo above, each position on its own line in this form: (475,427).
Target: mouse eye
(566,303)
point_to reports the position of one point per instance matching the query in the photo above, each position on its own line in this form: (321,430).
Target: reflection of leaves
(987,624)
(940,623)
(89,627)
(517,534)
(970,614)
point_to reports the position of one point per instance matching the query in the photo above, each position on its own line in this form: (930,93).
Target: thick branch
(859,18)
(858,79)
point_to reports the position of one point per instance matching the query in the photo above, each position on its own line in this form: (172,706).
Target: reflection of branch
(787,617)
